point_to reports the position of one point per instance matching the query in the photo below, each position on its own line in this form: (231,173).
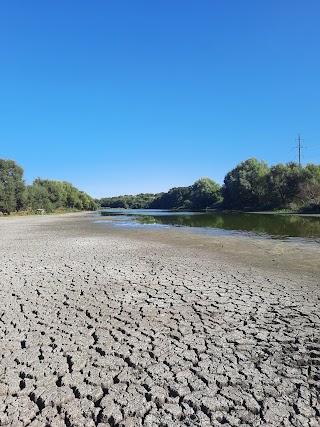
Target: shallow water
(278,226)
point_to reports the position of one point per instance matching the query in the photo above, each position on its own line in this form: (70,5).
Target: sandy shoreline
(105,327)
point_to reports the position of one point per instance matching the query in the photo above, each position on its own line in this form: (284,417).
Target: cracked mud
(101,327)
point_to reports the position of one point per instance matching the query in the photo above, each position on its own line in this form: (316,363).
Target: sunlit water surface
(219,223)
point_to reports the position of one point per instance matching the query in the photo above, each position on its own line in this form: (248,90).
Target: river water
(279,226)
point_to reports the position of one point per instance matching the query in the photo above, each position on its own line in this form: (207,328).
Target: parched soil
(102,326)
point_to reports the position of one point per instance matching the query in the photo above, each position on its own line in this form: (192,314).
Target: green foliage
(309,188)
(283,184)
(140,201)
(202,194)
(12,186)
(38,198)
(253,185)
(250,185)
(42,194)
(205,193)
(51,195)
(244,186)
(175,198)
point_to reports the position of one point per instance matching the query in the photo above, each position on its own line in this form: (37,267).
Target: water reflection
(273,225)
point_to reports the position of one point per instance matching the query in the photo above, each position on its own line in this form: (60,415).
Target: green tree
(12,186)
(245,185)
(205,193)
(38,197)
(175,198)
(50,195)
(73,200)
(309,188)
(277,186)
(284,184)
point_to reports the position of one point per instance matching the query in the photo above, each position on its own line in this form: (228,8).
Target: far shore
(285,213)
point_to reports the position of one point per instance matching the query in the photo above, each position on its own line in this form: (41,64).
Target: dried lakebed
(108,327)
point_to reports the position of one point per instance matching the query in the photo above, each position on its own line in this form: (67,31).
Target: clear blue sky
(122,97)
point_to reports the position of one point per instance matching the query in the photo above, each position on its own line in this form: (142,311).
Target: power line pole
(299,147)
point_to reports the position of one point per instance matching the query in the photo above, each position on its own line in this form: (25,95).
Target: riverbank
(43,212)
(312,214)
(107,326)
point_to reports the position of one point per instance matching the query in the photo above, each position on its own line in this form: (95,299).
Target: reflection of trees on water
(146,219)
(282,225)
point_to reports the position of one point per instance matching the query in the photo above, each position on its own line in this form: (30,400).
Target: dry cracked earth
(103,329)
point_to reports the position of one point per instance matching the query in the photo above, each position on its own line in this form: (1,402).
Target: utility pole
(299,149)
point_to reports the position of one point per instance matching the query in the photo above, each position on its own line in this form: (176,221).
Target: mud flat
(108,327)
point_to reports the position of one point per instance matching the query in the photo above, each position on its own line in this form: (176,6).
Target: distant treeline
(251,185)
(201,194)
(42,194)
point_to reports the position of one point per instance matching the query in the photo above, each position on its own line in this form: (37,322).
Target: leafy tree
(250,185)
(50,195)
(175,198)
(205,193)
(73,200)
(309,188)
(38,197)
(245,185)
(277,186)
(42,194)
(12,186)
(140,201)
(283,183)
